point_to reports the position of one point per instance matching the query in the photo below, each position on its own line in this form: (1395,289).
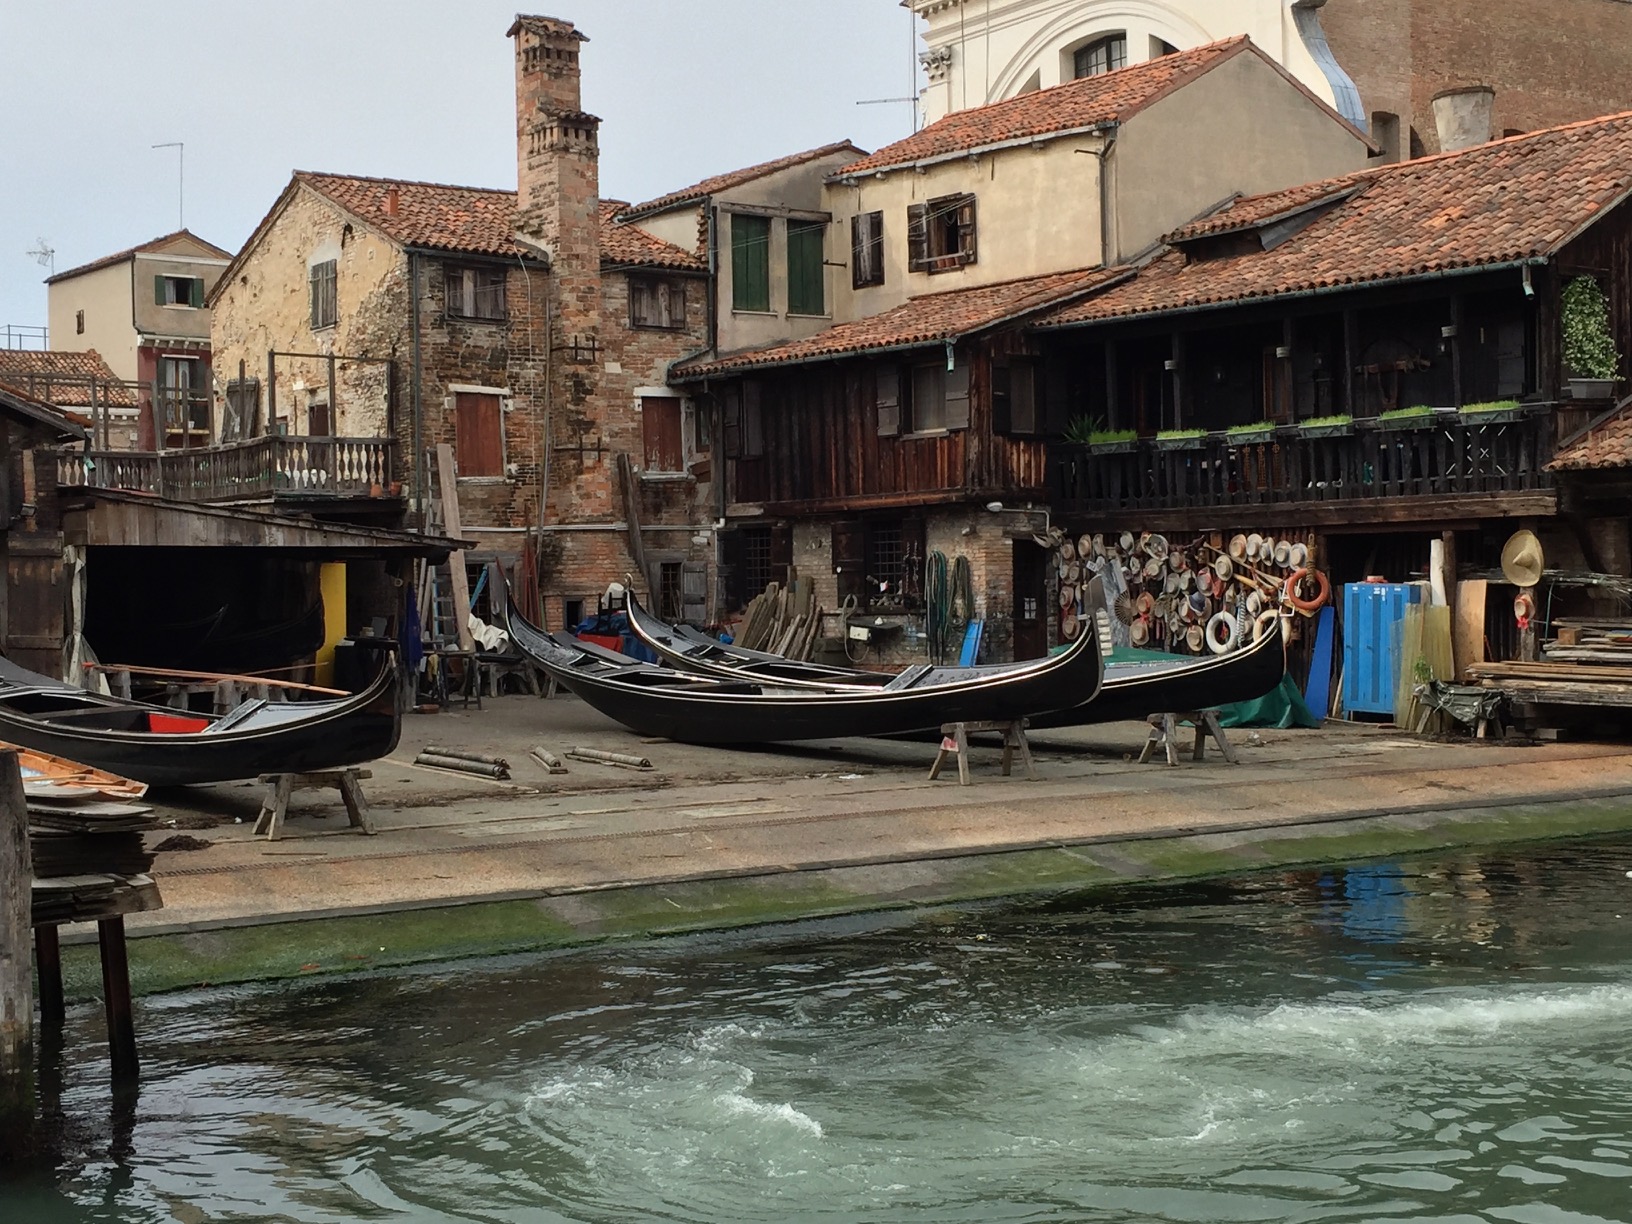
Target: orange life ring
(1307,606)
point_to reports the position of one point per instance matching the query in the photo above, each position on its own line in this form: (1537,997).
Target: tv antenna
(44,254)
(912,72)
(181,178)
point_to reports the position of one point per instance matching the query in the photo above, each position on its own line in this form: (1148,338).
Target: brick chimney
(557,145)
(1463,117)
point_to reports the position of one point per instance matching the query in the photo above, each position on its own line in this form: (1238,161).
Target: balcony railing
(255,470)
(1448,453)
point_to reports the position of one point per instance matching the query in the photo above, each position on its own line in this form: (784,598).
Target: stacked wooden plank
(784,621)
(1558,682)
(1590,640)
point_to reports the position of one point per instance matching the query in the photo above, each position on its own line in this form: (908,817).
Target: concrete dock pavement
(713,837)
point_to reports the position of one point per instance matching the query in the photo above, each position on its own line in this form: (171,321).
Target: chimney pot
(1463,117)
(391,201)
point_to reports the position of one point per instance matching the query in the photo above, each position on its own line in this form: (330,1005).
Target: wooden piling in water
(16,972)
(110,934)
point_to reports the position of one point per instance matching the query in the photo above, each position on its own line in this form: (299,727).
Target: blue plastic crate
(1372,612)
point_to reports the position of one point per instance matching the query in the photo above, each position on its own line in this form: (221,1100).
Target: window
(1160,47)
(702,426)
(1100,56)
(935,398)
(318,422)
(572,613)
(941,234)
(182,398)
(750,262)
(475,293)
(79,322)
(1385,134)
(178,291)
(867,250)
(928,407)
(805,270)
(322,281)
(668,591)
(744,422)
(478,433)
(660,433)
(657,302)
(1014,397)
(757,571)
(243,406)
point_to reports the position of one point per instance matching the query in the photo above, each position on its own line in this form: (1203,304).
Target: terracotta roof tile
(735,178)
(63,379)
(438,216)
(68,424)
(155,244)
(1606,443)
(631,246)
(1516,199)
(925,320)
(1087,102)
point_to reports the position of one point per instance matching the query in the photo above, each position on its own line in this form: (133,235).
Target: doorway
(1030,601)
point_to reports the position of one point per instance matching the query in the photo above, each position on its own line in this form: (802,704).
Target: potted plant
(1181,439)
(1337,426)
(1418,416)
(1590,356)
(1081,429)
(1492,412)
(1257,431)
(1113,441)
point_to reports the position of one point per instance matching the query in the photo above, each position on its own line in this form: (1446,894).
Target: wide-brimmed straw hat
(1522,560)
(1194,637)
(1282,553)
(1224,567)
(1238,547)
(1255,545)
(1139,633)
(1299,556)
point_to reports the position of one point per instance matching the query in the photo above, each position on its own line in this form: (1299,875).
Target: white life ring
(1232,633)
(1261,625)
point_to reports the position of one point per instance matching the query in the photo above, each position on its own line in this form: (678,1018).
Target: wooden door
(1030,601)
(478,434)
(34,622)
(660,434)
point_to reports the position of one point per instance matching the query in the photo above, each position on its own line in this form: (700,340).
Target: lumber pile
(1585,640)
(784,621)
(89,858)
(1558,683)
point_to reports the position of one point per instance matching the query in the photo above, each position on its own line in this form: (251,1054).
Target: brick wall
(1549,64)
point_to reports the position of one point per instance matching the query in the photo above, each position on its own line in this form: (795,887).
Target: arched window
(1102,55)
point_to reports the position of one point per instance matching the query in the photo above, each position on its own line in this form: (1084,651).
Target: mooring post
(48,967)
(16,971)
(110,935)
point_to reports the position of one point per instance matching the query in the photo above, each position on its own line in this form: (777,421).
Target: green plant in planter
(1104,437)
(1492,406)
(1327,422)
(1254,430)
(1082,429)
(1179,435)
(1403,414)
(1589,345)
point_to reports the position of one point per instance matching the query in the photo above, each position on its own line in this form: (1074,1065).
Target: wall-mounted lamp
(1283,351)
(1448,332)
(1170,365)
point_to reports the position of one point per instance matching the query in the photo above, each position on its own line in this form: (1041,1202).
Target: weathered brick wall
(1549,64)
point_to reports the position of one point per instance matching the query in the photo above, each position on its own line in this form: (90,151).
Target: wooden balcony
(260,469)
(1452,465)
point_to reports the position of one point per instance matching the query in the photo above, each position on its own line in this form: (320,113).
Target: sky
(415,89)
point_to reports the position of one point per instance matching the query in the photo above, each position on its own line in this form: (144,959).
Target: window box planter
(1326,427)
(1491,414)
(1181,440)
(1408,419)
(1125,446)
(1250,435)
(1592,388)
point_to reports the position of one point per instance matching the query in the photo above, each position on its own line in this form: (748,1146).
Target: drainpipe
(414,398)
(713,279)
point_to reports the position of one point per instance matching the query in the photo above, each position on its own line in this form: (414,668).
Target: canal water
(1444,1039)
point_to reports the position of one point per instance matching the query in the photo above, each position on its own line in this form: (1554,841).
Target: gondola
(165,747)
(1132,688)
(660,701)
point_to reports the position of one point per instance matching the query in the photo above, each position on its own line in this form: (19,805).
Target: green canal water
(1444,1039)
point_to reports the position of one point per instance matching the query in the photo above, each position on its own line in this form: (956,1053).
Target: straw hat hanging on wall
(1522,560)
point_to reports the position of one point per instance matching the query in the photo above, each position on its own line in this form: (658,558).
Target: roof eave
(847,176)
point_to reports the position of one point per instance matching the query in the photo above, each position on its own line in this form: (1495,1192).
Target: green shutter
(158,291)
(750,262)
(805,290)
(195,291)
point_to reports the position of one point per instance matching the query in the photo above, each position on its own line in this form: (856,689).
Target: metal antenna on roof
(44,254)
(912,72)
(181,179)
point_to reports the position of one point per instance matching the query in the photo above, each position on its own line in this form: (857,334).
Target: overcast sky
(418,89)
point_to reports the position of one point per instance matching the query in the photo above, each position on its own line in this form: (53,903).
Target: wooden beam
(460,586)
(16,972)
(1460,511)
(631,515)
(110,935)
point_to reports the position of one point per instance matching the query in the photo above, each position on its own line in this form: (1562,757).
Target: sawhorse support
(955,741)
(1164,734)
(280,786)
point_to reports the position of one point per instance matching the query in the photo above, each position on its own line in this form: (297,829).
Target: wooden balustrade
(1450,454)
(254,470)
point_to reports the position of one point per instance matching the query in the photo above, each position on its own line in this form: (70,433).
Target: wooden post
(16,972)
(110,935)
(48,963)
(1449,538)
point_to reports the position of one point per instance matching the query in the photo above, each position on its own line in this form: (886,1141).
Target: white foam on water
(736,1103)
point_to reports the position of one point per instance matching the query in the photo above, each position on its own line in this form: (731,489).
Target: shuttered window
(478,434)
(660,433)
(867,250)
(322,282)
(941,234)
(177,291)
(750,262)
(805,272)
(657,302)
(887,397)
(1014,397)
(475,293)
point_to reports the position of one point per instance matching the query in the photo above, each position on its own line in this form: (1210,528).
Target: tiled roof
(1248,212)
(438,216)
(21,403)
(63,379)
(1606,443)
(735,178)
(1084,103)
(925,320)
(629,245)
(107,261)
(1501,203)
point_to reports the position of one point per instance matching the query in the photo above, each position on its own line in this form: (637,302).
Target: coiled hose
(937,609)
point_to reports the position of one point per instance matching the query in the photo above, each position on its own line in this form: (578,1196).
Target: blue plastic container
(1372,612)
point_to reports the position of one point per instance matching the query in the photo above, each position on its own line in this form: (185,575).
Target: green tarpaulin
(1282,707)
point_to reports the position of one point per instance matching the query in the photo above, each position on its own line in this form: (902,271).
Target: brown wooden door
(1030,601)
(660,434)
(478,434)
(34,603)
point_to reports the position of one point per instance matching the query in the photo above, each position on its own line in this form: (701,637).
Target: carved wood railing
(255,470)
(1450,454)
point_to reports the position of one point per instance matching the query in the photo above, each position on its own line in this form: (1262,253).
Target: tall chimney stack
(557,144)
(1463,117)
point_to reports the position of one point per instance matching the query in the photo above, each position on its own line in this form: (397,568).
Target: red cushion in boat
(175,724)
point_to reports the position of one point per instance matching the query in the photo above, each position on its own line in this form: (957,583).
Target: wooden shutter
(195,291)
(888,399)
(158,291)
(1001,418)
(1022,396)
(694,593)
(957,398)
(750,262)
(731,420)
(312,281)
(478,437)
(660,434)
(966,230)
(805,271)
(866,249)
(917,237)
(753,421)
(674,303)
